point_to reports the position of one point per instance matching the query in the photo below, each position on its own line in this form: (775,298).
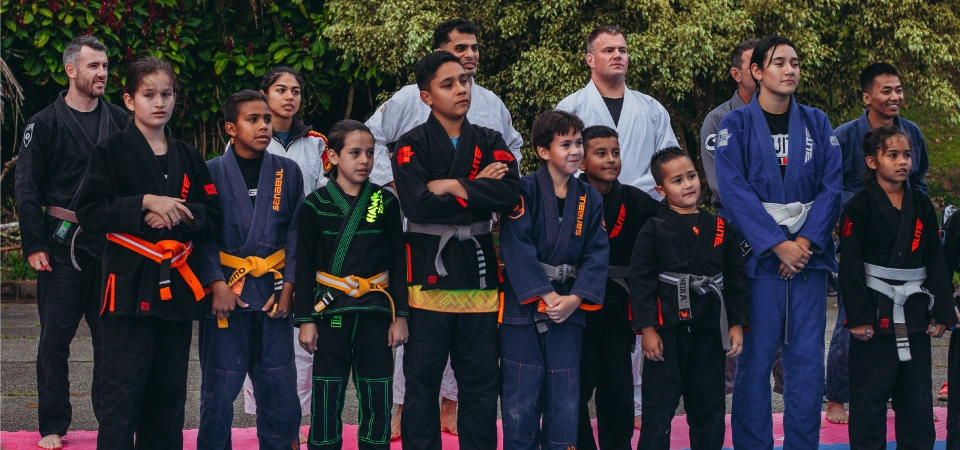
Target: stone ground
(20,328)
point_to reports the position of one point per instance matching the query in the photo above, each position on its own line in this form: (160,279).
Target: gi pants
(64,296)
(876,375)
(448,387)
(692,367)
(838,382)
(541,379)
(257,345)
(352,343)
(470,341)
(144,382)
(799,331)
(607,367)
(953,403)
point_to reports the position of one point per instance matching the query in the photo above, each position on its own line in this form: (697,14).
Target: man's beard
(86,87)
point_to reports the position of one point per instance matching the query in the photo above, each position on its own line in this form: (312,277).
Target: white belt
(913,279)
(792,215)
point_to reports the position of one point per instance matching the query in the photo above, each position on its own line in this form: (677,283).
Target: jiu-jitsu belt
(71,217)
(702,285)
(255,267)
(913,279)
(619,275)
(356,287)
(170,254)
(461,233)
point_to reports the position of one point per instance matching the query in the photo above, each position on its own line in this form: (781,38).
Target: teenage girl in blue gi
(779,177)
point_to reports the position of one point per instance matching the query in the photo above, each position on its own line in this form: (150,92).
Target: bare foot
(50,441)
(395,424)
(636,422)
(448,416)
(303,438)
(836,414)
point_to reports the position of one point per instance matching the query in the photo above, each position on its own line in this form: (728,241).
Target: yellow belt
(254,266)
(355,287)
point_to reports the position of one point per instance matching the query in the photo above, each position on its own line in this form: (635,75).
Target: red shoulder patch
(847,227)
(503,155)
(404,154)
(210,189)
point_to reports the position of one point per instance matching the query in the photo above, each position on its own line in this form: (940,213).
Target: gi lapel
(629,115)
(149,159)
(898,225)
(70,121)
(707,226)
(801,147)
(558,235)
(615,210)
(689,240)
(598,109)
(467,156)
(178,184)
(353,214)
(762,142)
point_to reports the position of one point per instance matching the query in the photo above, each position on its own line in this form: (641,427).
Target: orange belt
(170,254)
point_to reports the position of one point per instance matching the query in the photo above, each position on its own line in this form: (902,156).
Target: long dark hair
(769,45)
(875,142)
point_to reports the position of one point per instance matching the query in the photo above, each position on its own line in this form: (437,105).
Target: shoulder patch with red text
(517,210)
(503,155)
(404,155)
(210,189)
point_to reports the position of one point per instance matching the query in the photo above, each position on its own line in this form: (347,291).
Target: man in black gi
(56,146)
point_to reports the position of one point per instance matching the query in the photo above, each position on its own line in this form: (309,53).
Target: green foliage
(532,51)
(15,267)
(215,46)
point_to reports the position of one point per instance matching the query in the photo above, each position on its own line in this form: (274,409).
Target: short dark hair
(274,74)
(72,51)
(336,139)
(736,57)
(871,72)
(661,157)
(145,67)
(552,122)
(602,29)
(597,132)
(876,141)
(426,69)
(232,108)
(441,34)
(769,44)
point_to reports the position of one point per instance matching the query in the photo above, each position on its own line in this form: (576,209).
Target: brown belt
(69,216)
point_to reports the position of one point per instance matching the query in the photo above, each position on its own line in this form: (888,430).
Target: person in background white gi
(642,123)
(403,112)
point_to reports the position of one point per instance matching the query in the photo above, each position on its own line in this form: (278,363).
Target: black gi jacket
(872,231)
(123,168)
(667,244)
(53,156)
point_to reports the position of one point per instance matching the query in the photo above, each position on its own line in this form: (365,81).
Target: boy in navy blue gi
(251,277)
(555,253)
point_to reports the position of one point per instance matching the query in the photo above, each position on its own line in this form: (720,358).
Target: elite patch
(917,233)
(404,155)
(722,137)
(27,135)
(503,155)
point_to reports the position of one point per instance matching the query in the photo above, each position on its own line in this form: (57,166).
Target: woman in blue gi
(785,200)
(555,253)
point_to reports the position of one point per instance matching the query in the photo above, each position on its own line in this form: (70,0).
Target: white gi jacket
(307,152)
(405,110)
(644,128)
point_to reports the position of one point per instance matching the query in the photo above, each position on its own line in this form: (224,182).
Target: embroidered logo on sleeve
(711,141)
(27,135)
(503,156)
(517,210)
(723,136)
(834,141)
(210,189)
(277,190)
(847,227)
(404,155)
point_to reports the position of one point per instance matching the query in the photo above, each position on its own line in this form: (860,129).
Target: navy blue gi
(252,343)
(540,359)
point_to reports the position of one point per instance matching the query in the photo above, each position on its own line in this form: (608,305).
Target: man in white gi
(403,112)
(642,123)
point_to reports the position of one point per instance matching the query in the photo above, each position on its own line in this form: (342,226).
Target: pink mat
(246,438)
